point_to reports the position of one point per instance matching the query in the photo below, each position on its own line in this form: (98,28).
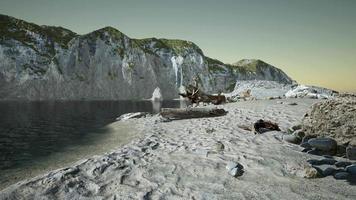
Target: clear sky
(313,41)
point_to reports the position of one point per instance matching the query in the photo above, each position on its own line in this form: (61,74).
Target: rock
(351,153)
(314,152)
(341,150)
(334,118)
(219,146)
(234,169)
(262,126)
(307,138)
(325,170)
(323,144)
(297,127)
(325,161)
(310,172)
(341,175)
(293,104)
(351,169)
(300,134)
(291,139)
(306,145)
(342,164)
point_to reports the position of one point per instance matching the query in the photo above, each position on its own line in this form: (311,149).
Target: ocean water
(39,136)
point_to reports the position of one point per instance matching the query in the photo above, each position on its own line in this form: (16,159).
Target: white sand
(176,160)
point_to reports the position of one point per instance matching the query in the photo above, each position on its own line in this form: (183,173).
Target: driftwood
(195,95)
(188,113)
(262,126)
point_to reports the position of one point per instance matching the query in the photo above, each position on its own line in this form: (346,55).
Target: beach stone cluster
(328,166)
(334,119)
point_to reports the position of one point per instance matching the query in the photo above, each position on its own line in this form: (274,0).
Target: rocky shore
(204,158)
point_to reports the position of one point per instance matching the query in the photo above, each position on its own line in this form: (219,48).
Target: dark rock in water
(342,164)
(313,162)
(234,169)
(325,170)
(293,104)
(351,153)
(291,139)
(262,126)
(351,169)
(341,175)
(324,144)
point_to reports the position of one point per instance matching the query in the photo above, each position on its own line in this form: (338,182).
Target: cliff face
(44,62)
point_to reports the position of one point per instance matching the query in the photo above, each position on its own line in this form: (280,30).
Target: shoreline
(179,160)
(116,135)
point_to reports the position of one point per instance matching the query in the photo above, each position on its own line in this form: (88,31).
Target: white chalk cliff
(53,63)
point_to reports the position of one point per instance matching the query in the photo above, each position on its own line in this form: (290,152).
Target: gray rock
(291,139)
(325,161)
(351,169)
(323,144)
(236,172)
(342,164)
(219,146)
(325,170)
(300,134)
(306,145)
(351,153)
(341,175)
(315,152)
(307,138)
(297,127)
(234,169)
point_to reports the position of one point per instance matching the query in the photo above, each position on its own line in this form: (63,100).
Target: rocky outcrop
(333,118)
(44,62)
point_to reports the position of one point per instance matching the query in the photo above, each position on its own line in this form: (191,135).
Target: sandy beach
(182,160)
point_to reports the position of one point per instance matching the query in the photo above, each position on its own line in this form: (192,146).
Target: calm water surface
(33,132)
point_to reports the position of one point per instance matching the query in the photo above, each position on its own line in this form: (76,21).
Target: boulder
(323,144)
(334,118)
(351,169)
(351,152)
(325,170)
(300,134)
(342,164)
(291,139)
(341,175)
(325,161)
(310,172)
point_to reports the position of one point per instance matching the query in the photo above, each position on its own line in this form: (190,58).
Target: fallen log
(188,113)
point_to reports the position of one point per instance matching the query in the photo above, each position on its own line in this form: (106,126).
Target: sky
(313,41)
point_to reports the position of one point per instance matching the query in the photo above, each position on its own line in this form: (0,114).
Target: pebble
(323,144)
(219,146)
